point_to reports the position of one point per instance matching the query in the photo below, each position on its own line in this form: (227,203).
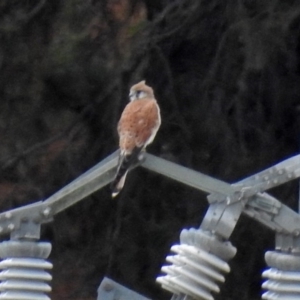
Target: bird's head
(140,91)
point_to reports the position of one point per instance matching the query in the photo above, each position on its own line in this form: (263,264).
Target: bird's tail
(125,162)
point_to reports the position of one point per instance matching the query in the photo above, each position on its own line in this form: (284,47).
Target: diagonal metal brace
(187,176)
(43,211)
(86,184)
(276,175)
(261,206)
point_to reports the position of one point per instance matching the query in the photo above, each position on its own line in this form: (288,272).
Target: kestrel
(137,128)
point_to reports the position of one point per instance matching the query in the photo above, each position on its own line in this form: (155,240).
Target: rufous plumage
(137,128)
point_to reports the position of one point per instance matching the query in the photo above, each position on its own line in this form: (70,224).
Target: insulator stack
(198,266)
(24,275)
(283,277)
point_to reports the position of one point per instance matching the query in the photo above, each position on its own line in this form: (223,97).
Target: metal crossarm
(187,176)
(279,173)
(276,175)
(209,242)
(43,211)
(259,205)
(86,184)
(219,190)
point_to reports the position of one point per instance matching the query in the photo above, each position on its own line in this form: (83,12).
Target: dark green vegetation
(227,77)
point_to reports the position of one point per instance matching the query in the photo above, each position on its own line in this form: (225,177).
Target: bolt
(8,215)
(141,157)
(11,226)
(296,232)
(228,200)
(46,211)
(108,286)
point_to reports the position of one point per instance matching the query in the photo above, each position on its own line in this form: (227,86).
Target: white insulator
(21,273)
(25,278)
(276,296)
(189,274)
(281,285)
(181,260)
(22,296)
(193,272)
(281,275)
(189,288)
(202,255)
(32,263)
(167,284)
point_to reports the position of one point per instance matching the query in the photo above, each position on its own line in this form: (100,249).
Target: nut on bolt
(11,226)
(108,286)
(46,211)
(296,232)
(8,215)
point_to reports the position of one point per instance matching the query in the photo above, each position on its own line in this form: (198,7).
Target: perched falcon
(137,128)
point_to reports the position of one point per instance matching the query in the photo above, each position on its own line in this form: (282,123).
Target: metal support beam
(86,184)
(227,202)
(187,176)
(111,290)
(43,211)
(248,192)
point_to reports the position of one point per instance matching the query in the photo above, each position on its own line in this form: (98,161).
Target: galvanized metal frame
(227,201)
(250,192)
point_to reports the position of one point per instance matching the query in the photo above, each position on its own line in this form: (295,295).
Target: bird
(137,128)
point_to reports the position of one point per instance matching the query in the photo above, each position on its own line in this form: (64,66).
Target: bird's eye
(134,95)
(140,94)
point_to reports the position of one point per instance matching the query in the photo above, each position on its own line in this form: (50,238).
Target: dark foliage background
(227,77)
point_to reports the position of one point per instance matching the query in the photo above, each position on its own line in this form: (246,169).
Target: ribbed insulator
(282,284)
(24,278)
(193,272)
